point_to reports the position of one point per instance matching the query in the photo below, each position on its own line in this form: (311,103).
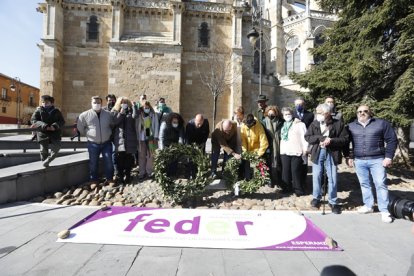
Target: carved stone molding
(208,7)
(95,2)
(149,4)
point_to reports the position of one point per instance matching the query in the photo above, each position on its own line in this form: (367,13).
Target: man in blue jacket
(369,155)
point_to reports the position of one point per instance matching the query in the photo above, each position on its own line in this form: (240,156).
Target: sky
(21,30)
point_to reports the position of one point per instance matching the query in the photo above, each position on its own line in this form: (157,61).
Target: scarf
(285,130)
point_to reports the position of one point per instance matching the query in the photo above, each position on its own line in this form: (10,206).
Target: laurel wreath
(180,189)
(260,173)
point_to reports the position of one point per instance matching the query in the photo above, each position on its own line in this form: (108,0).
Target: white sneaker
(365,210)
(386,217)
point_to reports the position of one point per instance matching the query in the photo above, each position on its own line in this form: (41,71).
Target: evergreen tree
(367,57)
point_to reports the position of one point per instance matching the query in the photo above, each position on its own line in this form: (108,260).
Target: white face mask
(96,107)
(124,106)
(287,118)
(174,125)
(147,110)
(320,118)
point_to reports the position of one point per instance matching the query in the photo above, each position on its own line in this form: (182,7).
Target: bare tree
(219,73)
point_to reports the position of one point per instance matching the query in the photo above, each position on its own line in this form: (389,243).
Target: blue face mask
(299,108)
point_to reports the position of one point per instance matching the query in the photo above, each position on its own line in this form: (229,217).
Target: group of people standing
(367,143)
(127,132)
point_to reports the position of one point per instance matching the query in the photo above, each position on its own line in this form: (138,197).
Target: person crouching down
(125,138)
(253,139)
(328,137)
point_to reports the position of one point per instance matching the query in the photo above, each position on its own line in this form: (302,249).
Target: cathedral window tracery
(292,55)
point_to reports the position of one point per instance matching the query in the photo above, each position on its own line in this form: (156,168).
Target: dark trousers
(247,172)
(304,174)
(215,157)
(124,163)
(292,173)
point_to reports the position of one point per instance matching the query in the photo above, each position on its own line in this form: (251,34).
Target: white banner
(207,228)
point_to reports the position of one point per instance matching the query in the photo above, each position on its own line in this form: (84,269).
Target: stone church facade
(156,47)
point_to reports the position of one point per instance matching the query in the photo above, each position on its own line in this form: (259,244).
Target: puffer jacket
(96,129)
(369,142)
(254,139)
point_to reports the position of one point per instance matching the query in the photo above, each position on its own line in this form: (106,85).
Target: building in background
(154,47)
(10,107)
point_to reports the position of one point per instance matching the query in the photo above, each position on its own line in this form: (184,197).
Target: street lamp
(16,83)
(256,33)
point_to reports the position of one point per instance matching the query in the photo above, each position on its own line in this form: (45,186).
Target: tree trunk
(215,96)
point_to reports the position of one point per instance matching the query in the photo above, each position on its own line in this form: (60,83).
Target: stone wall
(154,70)
(195,96)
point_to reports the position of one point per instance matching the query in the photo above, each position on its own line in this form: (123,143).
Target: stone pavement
(28,246)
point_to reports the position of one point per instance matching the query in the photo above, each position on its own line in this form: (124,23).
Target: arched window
(292,58)
(256,62)
(203,35)
(93,29)
(289,62)
(296,61)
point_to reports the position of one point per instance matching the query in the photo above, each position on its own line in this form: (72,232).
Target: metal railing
(29,144)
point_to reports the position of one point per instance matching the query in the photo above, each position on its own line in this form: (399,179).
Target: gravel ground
(149,194)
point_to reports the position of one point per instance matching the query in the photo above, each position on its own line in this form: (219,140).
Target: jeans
(365,167)
(95,151)
(324,160)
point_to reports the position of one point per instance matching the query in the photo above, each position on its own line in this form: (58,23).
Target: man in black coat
(197,131)
(301,113)
(327,138)
(49,121)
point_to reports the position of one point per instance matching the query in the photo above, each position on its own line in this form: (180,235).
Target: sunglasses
(362,111)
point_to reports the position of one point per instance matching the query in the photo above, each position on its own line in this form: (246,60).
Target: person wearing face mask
(172,131)
(327,137)
(253,139)
(96,124)
(292,152)
(110,102)
(301,113)
(124,138)
(330,100)
(148,130)
(49,122)
(273,123)
(162,110)
(307,118)
(373,147)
